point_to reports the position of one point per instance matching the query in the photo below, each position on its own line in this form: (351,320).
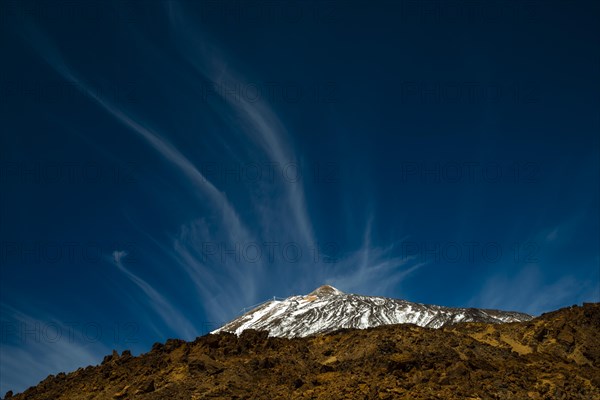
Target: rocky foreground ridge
(554,356)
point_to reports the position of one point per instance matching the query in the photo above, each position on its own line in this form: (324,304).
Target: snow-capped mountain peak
(328,309)
(325,291)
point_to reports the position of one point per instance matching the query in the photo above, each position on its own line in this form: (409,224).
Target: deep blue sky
(166,164)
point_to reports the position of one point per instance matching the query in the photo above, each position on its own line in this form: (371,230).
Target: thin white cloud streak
(34,354)
(235,230)
(240,280)
(527,292)
(233,286)
(165,310)
(226,286)
(258,120)
(372,269)
(379,278)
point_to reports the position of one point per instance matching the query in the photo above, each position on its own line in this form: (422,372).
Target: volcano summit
(327,309)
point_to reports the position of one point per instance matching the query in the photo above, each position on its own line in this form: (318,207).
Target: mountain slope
(554,356)
(327,309)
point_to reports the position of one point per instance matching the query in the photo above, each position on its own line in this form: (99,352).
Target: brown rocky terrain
(554,356)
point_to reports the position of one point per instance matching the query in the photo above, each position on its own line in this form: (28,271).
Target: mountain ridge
(327,309)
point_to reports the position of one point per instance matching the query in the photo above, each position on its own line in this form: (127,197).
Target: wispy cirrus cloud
(257,120)
(225,287)
(527,291)
(372,270)
(31,348)
(172,317)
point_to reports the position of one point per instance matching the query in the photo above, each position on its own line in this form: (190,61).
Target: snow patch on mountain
(327,309)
